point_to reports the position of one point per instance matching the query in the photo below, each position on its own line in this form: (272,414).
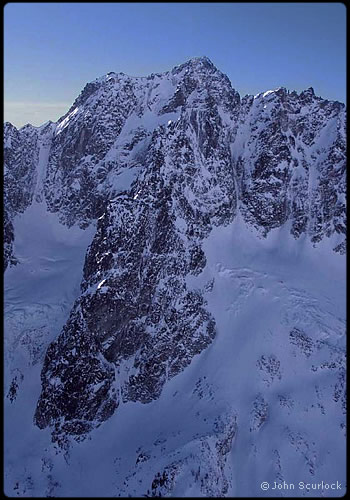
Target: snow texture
(175,291)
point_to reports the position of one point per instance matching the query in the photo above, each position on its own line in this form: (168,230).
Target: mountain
(174,290)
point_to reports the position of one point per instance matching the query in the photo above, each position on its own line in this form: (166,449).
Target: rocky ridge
(158,162)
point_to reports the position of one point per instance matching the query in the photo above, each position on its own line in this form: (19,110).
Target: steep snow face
(39,293)
(109,128)
(144,315)
(25,159)
(176,246)
(287,149)
(46,279)
(264,401)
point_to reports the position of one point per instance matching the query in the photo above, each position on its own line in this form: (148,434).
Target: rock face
(159,162)
(293,166)
(25,158)
(20,161)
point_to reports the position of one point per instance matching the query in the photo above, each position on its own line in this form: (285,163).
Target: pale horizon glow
(21,113)
(51,50)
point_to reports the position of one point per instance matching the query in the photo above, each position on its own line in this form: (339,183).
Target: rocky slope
(160,163)
(285,152)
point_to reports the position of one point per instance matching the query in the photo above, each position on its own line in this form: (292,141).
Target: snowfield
(190,341)
(270,393)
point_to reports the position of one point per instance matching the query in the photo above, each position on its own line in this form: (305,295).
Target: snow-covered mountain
(175,291)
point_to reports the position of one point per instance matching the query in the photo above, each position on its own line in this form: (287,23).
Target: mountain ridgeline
(157,163)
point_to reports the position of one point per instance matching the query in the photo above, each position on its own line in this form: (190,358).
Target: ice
(258,284)
(100,284)
(64,123)
(258,289)
(41,288)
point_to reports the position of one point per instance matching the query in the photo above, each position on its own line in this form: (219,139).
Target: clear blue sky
(52,50)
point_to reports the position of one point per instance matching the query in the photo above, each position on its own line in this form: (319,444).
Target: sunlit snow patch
(64,122)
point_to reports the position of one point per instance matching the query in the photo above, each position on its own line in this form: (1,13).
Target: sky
(51,50)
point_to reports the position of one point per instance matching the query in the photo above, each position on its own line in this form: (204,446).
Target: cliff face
(280,155)
(159,163)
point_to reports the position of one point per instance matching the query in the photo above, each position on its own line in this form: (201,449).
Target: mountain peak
(309,91)
(201,60)
(196,63)
(308,94)
(147,235)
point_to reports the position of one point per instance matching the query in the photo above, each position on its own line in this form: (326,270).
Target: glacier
(175,292)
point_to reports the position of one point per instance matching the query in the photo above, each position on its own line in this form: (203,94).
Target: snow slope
(209,283)
(271,398)
(39,293)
